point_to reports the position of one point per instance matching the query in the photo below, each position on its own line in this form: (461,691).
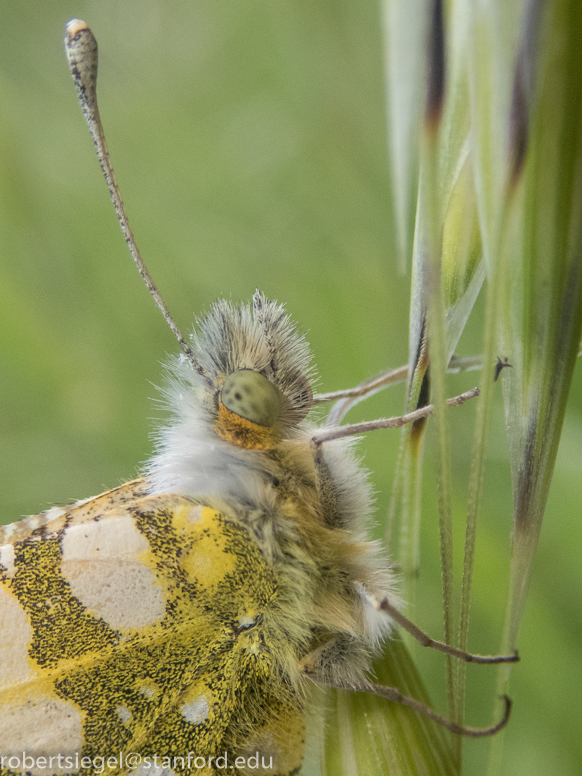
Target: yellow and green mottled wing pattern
(138,628)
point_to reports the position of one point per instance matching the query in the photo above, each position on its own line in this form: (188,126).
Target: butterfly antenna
(81,50)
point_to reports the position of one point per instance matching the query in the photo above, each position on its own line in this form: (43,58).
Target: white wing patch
(7,559)
(123,713)
(53,514)
(8,530)
(196,711)
(151,769)
(101,564)
(14,663)
(38,727)
(147,692)
(195,513)
(115,537)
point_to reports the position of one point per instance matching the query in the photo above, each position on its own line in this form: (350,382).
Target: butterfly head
(254,386)
(251,392)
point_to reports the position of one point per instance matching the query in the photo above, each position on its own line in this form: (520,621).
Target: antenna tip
(79,40)
(81,51)
(75,25)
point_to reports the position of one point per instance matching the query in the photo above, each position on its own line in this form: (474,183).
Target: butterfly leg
(347,399)
(326,435)
(318,666)
(425,640)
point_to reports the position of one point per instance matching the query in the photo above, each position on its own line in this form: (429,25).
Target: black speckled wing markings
(105,674)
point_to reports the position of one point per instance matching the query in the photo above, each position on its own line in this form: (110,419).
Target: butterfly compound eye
(252,397)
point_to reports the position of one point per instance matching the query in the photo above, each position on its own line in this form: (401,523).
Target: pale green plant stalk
(541,251)
(405,27)
(380,738)
(429,242)
(500,196)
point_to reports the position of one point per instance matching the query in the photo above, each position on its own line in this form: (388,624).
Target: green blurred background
(249,143)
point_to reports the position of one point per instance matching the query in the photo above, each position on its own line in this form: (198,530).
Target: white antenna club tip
(75,26)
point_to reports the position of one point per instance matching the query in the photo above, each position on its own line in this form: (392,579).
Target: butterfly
(181,621)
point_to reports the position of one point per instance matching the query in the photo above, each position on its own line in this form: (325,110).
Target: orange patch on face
(240,431)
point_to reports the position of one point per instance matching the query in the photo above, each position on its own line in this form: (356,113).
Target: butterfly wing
(136,626)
